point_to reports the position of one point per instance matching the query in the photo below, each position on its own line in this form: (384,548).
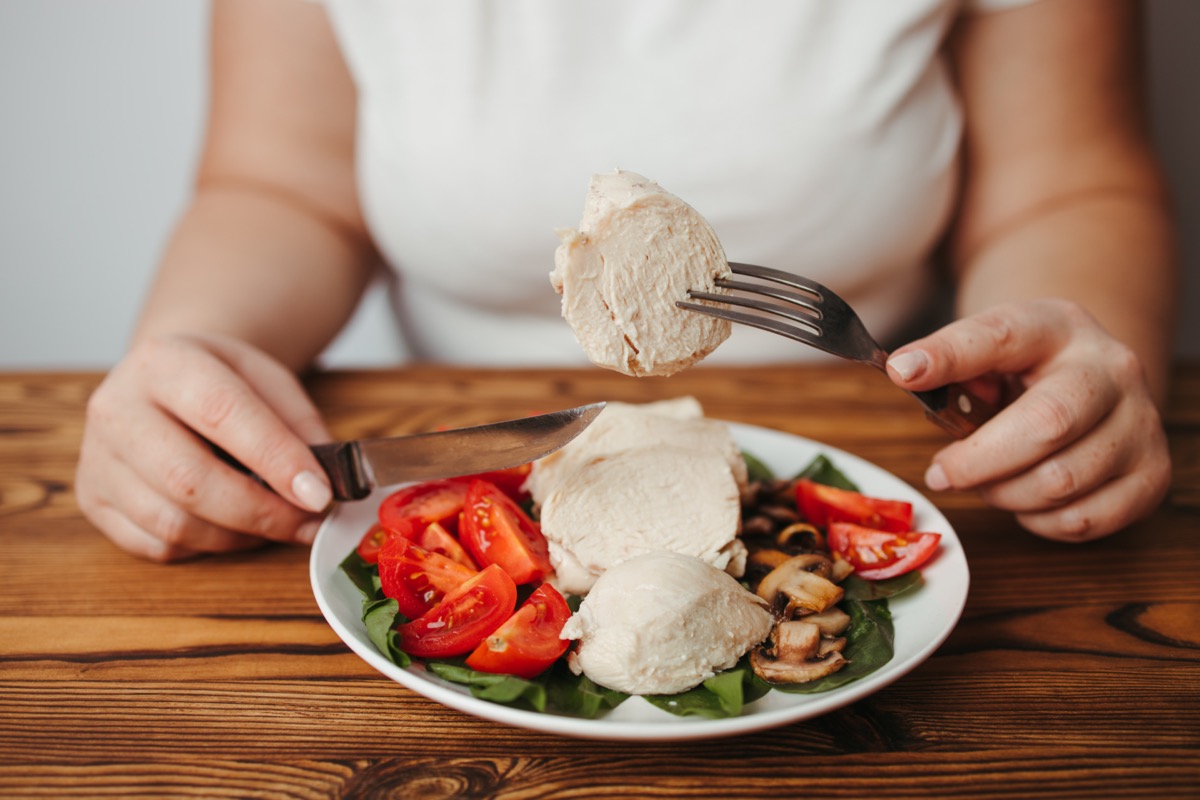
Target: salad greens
(869,643)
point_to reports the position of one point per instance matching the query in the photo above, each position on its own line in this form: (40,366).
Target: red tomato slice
(878,554)
(822,505)
(432,501)
(368,548)
(417,578)
(435,538)
(527,643)
(495,530)
(463,618)
(511,481)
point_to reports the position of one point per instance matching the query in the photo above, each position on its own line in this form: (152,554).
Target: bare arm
(1066,272)
(273,250)
(265,267)
(1063,197)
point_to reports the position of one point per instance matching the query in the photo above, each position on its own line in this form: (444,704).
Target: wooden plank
(1075,671)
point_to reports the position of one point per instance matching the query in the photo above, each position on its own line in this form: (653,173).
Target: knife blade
(357,467)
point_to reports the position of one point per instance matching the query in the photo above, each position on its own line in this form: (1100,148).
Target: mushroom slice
(801,534)
(842,569)
(768,558)
(832,621)
(793,655)
(831,644)
(800,585)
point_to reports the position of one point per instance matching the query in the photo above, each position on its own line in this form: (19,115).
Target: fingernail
(935,478)
(307,532)
(311,491)
(909,365)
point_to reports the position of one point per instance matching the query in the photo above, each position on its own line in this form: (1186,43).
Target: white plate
(923,618)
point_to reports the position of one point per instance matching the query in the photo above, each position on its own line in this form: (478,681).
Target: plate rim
(670,728)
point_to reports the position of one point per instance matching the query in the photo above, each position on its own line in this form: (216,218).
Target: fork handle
(956,410)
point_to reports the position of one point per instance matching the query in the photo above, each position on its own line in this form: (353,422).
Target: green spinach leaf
(380,618)
(558,689)
(756,469)
(364,576)
(857,588)
(723,695)
(577,694)
(822,470)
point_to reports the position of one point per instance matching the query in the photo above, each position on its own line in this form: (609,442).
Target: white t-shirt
(816,136)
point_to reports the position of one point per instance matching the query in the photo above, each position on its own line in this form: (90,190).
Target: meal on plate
(638,250)
(647,557)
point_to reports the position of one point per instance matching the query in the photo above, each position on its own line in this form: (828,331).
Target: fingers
(1116,505)
(158,531)
(1063,476)
(279,388)
(131,537)
(1080,452)
(1010,338)
(1048,417)
(213,515)
(157,489)
(208,396)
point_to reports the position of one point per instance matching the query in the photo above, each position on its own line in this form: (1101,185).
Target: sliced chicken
(660,623)
(625,426)
(638,249)
(640,500)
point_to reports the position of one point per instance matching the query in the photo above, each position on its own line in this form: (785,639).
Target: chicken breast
(660,623)
(638,250)
(640,500)
(623,426)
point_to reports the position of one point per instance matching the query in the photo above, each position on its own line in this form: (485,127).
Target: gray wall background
(101,113)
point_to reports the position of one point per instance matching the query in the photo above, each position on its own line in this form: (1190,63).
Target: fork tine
(807,335)
(766,290)
(828,323)
(821,318)
(808,318)
(786,278)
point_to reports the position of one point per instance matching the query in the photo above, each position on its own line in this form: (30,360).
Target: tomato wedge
(495,530)
(432,501)
(463,618)
(373,539)
(435,538)
(878,554)
(417,578)
(511,481)
(528,642)
(823,505)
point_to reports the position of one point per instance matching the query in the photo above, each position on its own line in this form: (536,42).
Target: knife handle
(339,460)
(956,410)
(342,463)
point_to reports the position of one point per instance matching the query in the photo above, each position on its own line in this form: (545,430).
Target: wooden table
(1075,671)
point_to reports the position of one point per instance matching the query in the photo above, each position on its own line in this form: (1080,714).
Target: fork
(820,318)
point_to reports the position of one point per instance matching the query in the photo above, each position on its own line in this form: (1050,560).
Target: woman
(847,140)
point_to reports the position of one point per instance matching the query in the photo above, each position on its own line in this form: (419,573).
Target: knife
(357,467)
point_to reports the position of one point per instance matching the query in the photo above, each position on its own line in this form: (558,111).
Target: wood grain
(1074,673)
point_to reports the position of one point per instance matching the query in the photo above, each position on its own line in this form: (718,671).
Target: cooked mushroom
(831,644)
(842,569)
(768,558)
(800,585)
(831,621)
(794,654)
(757,526)
(785,514)
(801,534)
